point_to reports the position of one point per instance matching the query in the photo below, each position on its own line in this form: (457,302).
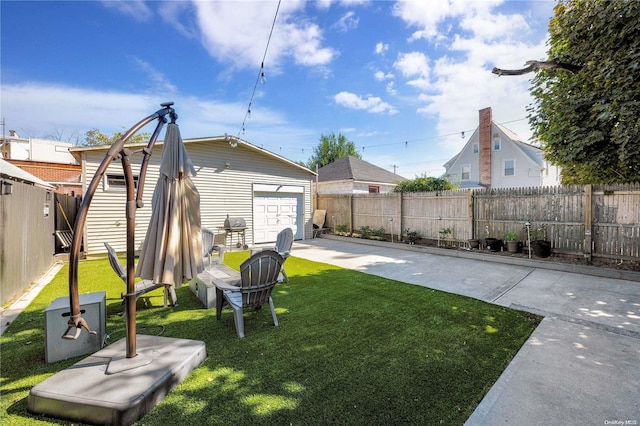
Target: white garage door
(274,211)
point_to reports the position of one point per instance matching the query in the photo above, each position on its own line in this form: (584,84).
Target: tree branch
(539,65)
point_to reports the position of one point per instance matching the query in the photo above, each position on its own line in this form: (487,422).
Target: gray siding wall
(27,241)
(225,178)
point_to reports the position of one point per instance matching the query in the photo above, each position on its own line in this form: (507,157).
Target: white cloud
(304,45)
(238,35)
(492,26)
(347,22)
(37,105)
(459,82)
(381,48)
(414,66)
(136,9)
(381,76)
(179,14)
(390,88)
(161,82)
(369,103)
(428,15)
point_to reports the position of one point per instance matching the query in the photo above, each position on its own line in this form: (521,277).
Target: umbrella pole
(76,322)
(130,298)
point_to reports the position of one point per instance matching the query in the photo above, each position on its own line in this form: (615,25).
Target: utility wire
(261,76)
(405,143)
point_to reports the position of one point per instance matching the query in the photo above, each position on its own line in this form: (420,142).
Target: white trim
(289,189)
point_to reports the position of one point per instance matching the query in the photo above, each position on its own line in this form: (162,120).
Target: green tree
(424,184)
(330,149)
(95,137)
(587,115)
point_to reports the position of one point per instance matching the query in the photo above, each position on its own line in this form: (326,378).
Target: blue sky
(402,80)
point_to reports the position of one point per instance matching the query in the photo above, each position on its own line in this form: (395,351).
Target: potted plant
(411,236)
(512,243)
(540,245)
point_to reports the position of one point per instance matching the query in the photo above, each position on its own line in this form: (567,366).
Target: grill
(235,225)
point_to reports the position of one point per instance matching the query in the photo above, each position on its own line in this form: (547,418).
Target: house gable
(502,160)
(354,175)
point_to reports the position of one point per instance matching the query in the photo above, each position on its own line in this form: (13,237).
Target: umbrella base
(90,392)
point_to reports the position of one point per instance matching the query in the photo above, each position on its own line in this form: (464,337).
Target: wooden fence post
(401,218)
(588,220)
(351,213)
(471,214)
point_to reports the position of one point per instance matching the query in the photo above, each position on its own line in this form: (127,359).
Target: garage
(276,207)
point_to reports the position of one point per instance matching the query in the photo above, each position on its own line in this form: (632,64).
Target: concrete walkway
(580,366)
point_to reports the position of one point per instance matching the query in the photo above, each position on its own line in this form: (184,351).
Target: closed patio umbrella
(172,249)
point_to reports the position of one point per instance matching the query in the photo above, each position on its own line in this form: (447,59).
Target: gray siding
(27,241)
(223,190)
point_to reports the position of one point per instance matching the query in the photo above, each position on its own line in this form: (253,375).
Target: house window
(496,144)
(476,148)
(465,171)
(373,189)
(113,182)
(509,167)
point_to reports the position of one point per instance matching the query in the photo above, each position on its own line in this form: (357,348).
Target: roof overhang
(79,150)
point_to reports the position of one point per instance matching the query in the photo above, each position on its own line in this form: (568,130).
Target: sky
(402,80)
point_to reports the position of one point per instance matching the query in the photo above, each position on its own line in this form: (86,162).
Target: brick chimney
(484,132)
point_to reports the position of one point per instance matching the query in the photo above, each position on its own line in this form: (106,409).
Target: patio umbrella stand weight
(122,382)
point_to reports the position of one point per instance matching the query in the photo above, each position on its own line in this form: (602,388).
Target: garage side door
(274,211)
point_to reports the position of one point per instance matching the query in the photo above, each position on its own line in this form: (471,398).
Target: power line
(405,142)
(261,76)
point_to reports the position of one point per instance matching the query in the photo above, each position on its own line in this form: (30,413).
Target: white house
(268,191)
(494,157)
(352,175)
(33,149)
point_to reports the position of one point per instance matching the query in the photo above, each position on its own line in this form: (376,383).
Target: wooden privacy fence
(590,220)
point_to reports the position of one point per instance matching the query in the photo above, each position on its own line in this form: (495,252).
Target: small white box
(95,313)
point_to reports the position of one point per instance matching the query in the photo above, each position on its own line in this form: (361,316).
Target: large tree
(331,148)
(95,137)
(586,111)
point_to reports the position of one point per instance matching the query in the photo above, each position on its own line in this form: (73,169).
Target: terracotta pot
(513,246)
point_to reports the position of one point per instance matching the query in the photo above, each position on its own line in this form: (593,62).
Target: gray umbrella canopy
(172,250)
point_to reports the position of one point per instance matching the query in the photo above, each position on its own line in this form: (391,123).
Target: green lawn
(351,348)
